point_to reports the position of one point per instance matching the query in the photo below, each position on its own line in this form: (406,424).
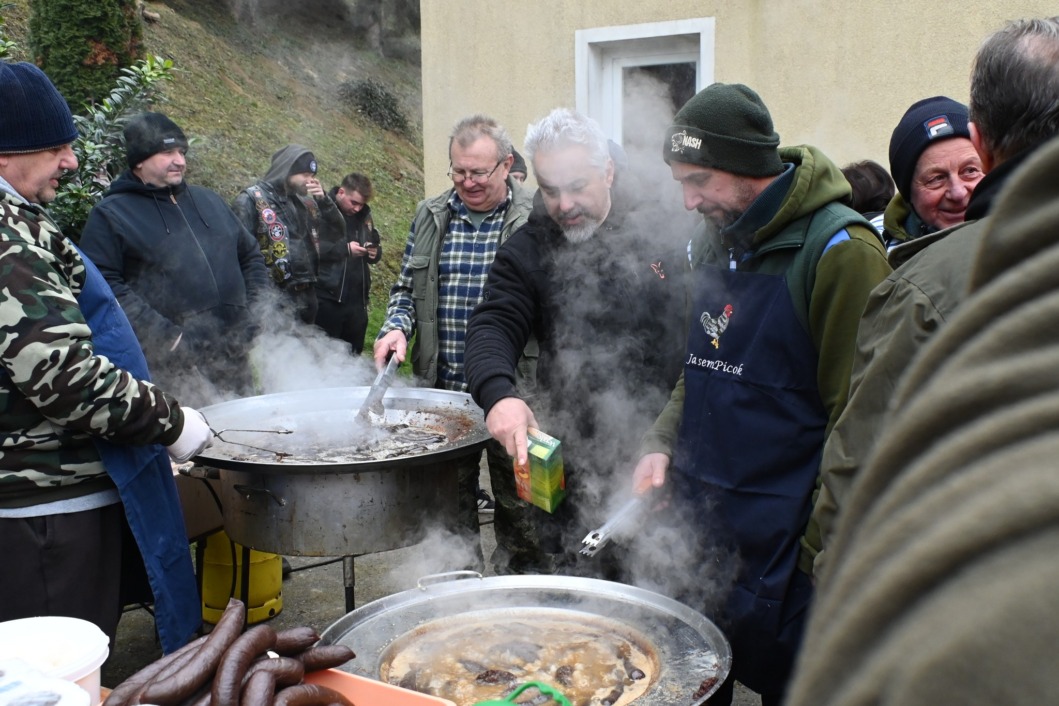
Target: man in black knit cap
(1014,86)
(185,270)
(781,269)
(935,168)
(83,433)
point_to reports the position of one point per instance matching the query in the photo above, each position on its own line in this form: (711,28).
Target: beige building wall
(837,74)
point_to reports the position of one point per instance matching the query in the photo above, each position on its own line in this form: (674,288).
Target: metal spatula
(373,402)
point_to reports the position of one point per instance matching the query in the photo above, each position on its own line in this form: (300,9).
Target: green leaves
(100,148)
(7,47)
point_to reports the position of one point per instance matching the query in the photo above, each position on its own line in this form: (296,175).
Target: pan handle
(426,581)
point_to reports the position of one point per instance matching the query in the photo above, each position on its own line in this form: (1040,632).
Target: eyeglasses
(478,176)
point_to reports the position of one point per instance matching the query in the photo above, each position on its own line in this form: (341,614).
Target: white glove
(195,437)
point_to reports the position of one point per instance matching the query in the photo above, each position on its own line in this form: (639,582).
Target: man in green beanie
(781,270)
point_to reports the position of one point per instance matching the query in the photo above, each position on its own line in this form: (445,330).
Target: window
(633,78)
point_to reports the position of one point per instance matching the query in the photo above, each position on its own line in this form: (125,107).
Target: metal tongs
(219,435)
(617,525)
(373,402)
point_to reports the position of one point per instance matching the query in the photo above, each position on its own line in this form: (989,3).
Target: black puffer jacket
(178,260)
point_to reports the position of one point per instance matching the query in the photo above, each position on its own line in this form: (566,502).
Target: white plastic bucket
(22,684)
(64,648)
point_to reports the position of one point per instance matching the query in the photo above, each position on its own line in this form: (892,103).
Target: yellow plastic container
(265,598)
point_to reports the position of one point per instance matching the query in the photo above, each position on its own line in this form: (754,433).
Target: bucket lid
(22,684)
(66,648)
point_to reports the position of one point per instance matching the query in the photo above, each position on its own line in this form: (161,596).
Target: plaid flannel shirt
(463,267)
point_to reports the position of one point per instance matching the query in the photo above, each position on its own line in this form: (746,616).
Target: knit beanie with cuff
(725,127)
(34,116)
(148,134)
(304,164)
(924,123)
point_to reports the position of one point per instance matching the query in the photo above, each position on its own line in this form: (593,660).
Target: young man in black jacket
(183,267)
(344,283)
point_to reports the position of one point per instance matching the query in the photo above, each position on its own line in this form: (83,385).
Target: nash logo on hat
(938,127)
(680,140)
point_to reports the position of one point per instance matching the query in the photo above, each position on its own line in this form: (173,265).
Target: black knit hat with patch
(148,134)
(725,127)
(924,123)
(304,164)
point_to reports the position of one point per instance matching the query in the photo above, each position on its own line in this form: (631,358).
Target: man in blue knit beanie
(83,433)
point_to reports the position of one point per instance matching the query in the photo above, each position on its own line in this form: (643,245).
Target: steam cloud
(622,401)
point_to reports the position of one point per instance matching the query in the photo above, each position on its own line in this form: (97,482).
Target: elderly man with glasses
(450,248)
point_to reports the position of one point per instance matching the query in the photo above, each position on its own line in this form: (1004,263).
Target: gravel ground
(313,595)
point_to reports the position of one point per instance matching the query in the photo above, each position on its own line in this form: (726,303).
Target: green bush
(376,102)
(83,44)
(7,47)
(100,147)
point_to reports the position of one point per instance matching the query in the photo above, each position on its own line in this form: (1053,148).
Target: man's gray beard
(581,233)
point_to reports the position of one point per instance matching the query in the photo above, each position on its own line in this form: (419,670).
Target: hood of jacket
(896,220)
(817,182)
(282,161)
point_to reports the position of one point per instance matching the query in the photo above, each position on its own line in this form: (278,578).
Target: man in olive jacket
(941,590)
(1010,117)
(780,274)
(450,247)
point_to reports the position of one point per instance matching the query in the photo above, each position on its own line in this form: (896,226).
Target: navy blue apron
(144,478)
(748,455)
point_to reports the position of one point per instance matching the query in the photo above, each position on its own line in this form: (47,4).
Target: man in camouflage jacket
(81,429)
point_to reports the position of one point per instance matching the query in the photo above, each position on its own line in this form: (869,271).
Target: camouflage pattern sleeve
(54,391)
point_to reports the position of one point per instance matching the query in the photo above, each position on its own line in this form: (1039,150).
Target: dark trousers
(346,321)
(68,565)
(303,299)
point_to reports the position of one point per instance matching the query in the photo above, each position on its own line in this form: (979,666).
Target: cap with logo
(924,123)
(304,164)
(147,134)
(725,127)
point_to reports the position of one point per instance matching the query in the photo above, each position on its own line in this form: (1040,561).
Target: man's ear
(984,153)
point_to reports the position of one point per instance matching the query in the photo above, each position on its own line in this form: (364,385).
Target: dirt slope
(246,88)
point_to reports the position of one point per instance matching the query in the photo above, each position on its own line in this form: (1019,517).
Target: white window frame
(602,53)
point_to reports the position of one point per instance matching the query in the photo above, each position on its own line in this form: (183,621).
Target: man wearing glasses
(450,248)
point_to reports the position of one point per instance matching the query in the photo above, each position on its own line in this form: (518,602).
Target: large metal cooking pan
(690,648)
(316,505)
(323,420)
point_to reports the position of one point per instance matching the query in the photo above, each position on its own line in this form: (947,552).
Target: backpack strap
(822,229)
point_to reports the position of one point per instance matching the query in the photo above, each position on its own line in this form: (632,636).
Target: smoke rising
(617,318)
(291,355)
